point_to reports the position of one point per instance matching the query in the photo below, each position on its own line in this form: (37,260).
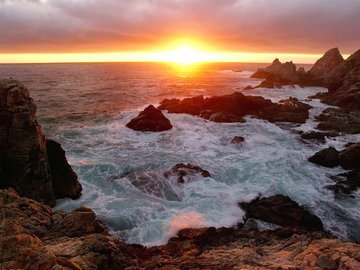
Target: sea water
(85,107)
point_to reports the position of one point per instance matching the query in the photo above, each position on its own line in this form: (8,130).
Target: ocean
(85,107)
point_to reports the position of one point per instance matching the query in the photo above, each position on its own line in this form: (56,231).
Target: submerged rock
(182,172)
(328,157)
(347,183)
(283,211)
(237,140)
(64,179)
(317,136)
(150,119)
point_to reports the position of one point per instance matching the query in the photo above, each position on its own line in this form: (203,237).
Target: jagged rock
(182,172)
(278,71)
(347,97)
(34,237)
(283,211)
(231,108)
(248,87)
(150,119)
(64,179)
(347,183)
(317,136)
(23,162)
(328,157)
(340,120)
(323,67)
(349,158)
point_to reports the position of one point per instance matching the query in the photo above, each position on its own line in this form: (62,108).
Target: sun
(185,56)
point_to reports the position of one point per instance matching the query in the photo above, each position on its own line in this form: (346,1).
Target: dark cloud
(120,25)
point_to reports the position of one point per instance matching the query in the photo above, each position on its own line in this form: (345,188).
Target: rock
(238,140)
(340,120)
(347,183)
(150,119)
(183,172)
(64,179)
(349,158)
(318,136)
(328,157)
(233,107)
(34,237)
(283,211)
(23,162)
(325,65)
(347,97)
(248,87)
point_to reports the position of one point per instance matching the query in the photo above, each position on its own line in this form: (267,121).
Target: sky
(130,29)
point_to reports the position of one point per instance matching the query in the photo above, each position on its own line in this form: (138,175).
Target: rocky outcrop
(150,119)
(347,183)
(183,172)
(24,163)
(328,157)
(231,108)
(339,120)
(321,71)
(283,211)
(35,237)
(349,158)
(64,179)
(317,136)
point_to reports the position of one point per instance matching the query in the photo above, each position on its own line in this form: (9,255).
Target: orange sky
(148,30)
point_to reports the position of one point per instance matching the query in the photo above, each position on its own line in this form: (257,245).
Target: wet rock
(347,183)
(340,120)
(317,136)
(183,172)
(283,211)
(64,179)
(349,158)
(150,119)
(231,108)
(328,157)
(248,87)
(238,140)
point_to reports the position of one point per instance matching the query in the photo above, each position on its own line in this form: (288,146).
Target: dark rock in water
(231,108)
(64,179)
(349,158)
(328,157)
(150,119)
(325,65)
(346,186)
(23,162)
(278,72)
(183,171)
(248,87)
(283,211)
(318,136)
(340,120)
(238,140)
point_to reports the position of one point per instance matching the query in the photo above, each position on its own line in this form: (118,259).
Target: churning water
(86,106)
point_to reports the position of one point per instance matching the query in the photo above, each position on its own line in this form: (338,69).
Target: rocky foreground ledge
(35,237)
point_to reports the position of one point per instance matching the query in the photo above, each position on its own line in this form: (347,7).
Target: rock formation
(34,237)
(283,211)
(340,120)
(328,157)
(150,119)
(182,172)
(23,159)
(347,183)
(233,107)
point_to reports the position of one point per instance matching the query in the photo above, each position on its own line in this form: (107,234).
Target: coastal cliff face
(24,163)
(35,237)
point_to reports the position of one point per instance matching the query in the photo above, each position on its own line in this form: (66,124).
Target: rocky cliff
(24,162)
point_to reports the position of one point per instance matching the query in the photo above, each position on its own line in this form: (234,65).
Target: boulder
(226,117)
(150,119)
(283,211)
(349,158)
(23,161)
(347,183)
(238,140)
(323,67)
(183,172)
(317,136)
(339,120)
(64,179)
(328,157)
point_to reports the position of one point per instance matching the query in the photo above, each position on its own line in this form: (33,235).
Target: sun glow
(183,56)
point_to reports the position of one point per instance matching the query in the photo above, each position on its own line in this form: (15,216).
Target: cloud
(122,25)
